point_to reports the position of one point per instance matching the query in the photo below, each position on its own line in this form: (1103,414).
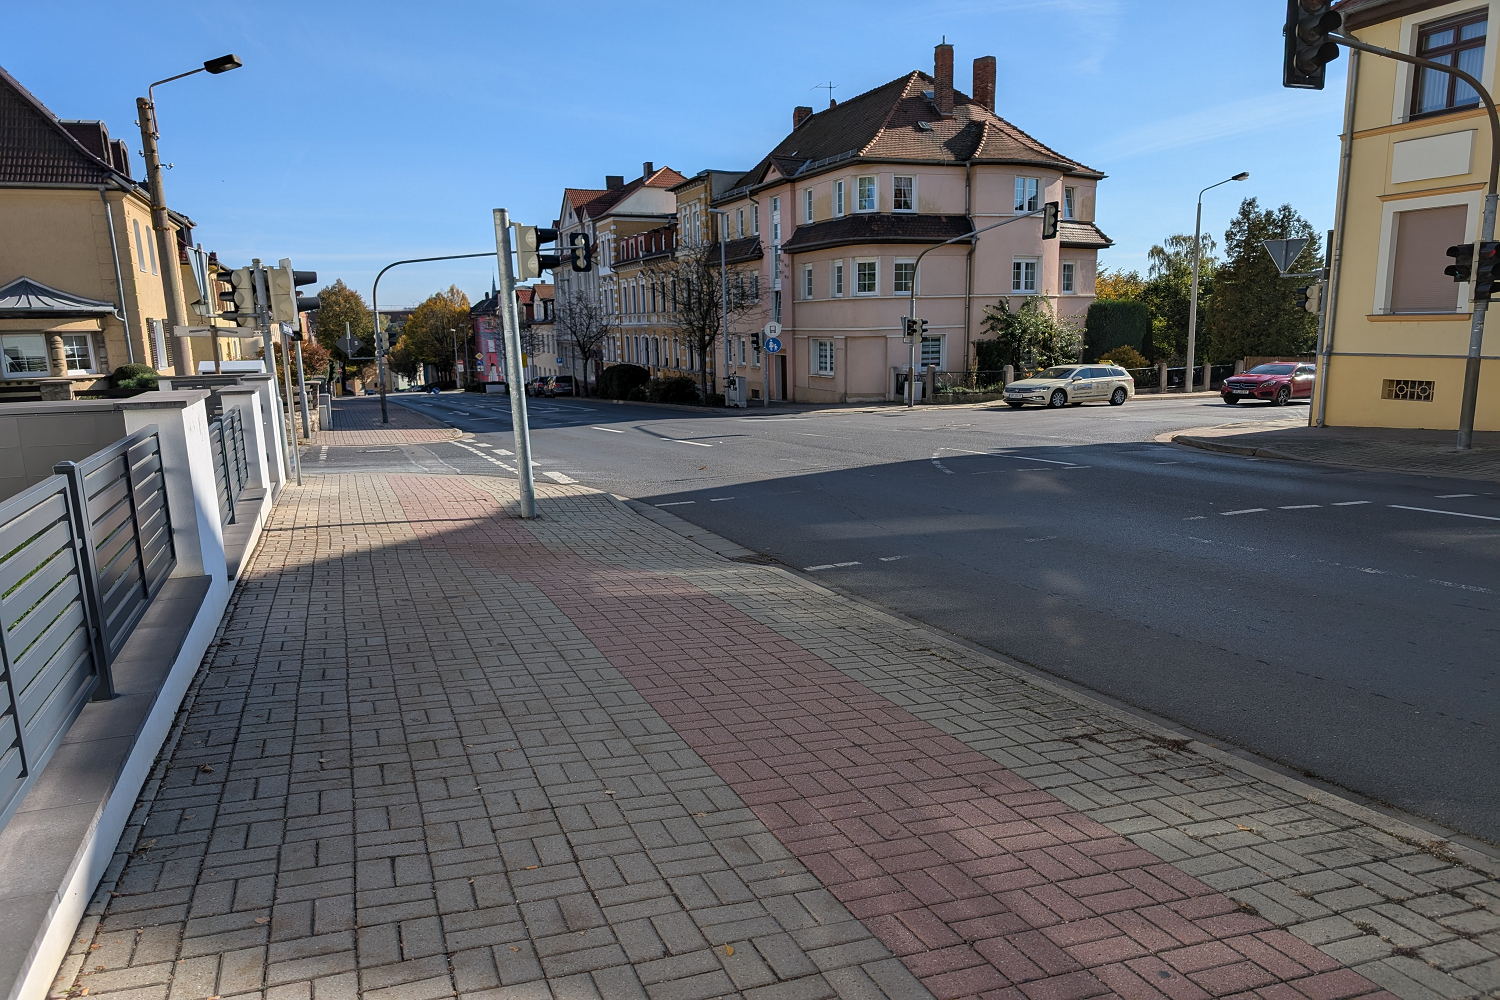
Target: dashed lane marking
(719,499)
(840,565)
(608,430)
(892,558)
(558,477)
(1451,513)
(676,503)
(1247,510)
(323,453)
(486,457)
(1300,506)
(1348,503)
(1453,496)
(695,444)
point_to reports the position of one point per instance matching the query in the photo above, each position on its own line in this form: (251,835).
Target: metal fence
(226,440)
(1149,379)
(81,555)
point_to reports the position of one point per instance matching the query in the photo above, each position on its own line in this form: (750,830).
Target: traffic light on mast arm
(239,297)
(1310,297)
(1308,47)
(282,283)
(530,262)
(1049,221)
(580,251)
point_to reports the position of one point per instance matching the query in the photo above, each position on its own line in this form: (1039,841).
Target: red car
(1277,383)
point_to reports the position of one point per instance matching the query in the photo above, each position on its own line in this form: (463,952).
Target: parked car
(1072,385)
(562,385)
(539,386)
(1276,383)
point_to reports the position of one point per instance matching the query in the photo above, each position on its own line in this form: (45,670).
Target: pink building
(845,203)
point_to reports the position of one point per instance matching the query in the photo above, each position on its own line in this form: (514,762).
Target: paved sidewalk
(356,424)
(1387,448)
(438,751)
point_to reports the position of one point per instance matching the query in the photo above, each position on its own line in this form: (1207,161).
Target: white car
(1065,385)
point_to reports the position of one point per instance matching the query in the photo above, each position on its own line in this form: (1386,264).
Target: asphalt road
(1341,623)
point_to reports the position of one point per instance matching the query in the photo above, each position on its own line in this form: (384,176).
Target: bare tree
(582,319)
(691,283)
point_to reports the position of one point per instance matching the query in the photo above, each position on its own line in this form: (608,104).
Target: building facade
(1417,155)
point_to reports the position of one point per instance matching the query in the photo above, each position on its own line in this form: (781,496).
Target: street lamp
(453,334)
(1187,383)
(166,252)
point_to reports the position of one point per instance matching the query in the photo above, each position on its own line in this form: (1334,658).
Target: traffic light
(239,296)
(1049,221)
(580,251)
(1486,271)
(755,340)
(281,284)
(1310,297)
(1308,48)
(529,261)
(909,327)
(1462,268)
(922,327)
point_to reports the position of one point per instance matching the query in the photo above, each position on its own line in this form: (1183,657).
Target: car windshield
(1057,373)
(1272,370)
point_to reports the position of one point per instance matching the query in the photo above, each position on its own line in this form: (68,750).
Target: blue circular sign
(773,345)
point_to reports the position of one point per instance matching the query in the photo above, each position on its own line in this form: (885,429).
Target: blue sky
(361,133)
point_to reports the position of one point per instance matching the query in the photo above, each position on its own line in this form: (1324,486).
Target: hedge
(1114,323)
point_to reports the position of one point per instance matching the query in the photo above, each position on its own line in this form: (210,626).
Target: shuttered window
(1418,284)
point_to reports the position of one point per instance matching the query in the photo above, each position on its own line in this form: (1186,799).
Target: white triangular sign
(1283,252)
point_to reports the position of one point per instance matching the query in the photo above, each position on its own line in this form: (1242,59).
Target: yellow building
(1412,183)
(83,290)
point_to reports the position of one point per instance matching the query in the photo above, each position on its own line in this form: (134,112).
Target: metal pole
(1335,268)
(375,308)
(166,251)
(723,214)
(513,373)
(453,335)
(268,352)
(302,392)
(291,419)
(1187,380)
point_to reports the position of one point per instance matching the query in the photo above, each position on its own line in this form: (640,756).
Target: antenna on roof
(829,86)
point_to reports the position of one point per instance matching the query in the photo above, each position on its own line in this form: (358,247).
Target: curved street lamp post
(1187,378)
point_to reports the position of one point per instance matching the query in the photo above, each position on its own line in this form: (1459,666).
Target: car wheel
(1231,400)
(1282,395)
(1118,397)
(1058,401)
(1014,405)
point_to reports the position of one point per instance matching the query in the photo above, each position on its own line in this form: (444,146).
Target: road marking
(1044,538)
(1349,503)
(1247,510)
(1300,506)
(1200,517)
(695,444)
(892,558)
(1166,463)
(940,466)
(1020,458)
(323,453)
(814,569)
(558,477)
(1454,513)
(1453,496)
(608,430)
(719,499)
(676,503)
(487,458)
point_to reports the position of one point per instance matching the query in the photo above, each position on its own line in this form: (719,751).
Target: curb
(1209,444)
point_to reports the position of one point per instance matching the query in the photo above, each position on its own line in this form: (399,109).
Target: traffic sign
(559,362)
(349,345)
(1284,252)
(773,345)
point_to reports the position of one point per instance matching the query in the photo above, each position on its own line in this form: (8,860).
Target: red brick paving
(984,885)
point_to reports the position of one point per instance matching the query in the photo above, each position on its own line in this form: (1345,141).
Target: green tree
(340,304)
(1031,336)
(1254,310)
(1168,294)
(434,331)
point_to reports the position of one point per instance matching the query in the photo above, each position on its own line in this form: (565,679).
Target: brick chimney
(613,182)
(984,82)
(648,168)
(799,115)
(942,71)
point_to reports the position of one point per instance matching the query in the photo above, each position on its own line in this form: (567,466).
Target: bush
(618,380)
(1112,323)
(990,355)
(673,389)
(1125,356)
(133,377)
(637,394)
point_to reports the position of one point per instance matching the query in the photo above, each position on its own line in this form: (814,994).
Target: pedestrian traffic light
(239,296)
(1462,268)
(581,251)
(281,284)
(1486,271)
(530,262)
(1049,221)
(1310,297)
(1308,48)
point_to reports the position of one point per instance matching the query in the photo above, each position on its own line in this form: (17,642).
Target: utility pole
(514,376)
(302,390)
(263,316)
(166,251)
(1192,343)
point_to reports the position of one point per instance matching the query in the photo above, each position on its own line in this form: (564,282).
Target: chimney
(942,71)
(648,168)
(613,182)
(984,82)
(832,103)
(800,114)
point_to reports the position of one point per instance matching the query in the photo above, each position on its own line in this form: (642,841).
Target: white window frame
(740,224)
(860,264)
(807,205)
(755,220)
(896,269)
(838,198)
(776,208)
(859,193)
(941,341)
(88,347)
(896,187)
(836,280)
(1386,261)
(140,247)
(1028,193)
(807,281)
(1069,280)
(1018,275)
(816,349)
(1070,203)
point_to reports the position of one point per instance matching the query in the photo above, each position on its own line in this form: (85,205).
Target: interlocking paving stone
(453,753)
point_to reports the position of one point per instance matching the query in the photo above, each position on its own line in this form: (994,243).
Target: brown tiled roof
(35,148)
(1082,236)
(602,201)
(855,229)
(897,121)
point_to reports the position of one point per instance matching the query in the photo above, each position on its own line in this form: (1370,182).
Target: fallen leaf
(530,867)
(205,769)
(262,920)
(98,968)
(702,467)
(729,949)
(93,946)
(610,791)
(514,948)
(84,991)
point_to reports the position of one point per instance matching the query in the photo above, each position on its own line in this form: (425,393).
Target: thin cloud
(1245,117)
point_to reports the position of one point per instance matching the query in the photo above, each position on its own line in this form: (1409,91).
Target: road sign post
(770,334)
(515,375)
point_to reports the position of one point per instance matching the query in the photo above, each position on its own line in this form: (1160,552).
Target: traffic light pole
(263,318)
(380,350)
(1486,229)
(515,377)
(911,353)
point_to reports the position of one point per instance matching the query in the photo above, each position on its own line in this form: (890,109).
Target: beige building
(1418,153)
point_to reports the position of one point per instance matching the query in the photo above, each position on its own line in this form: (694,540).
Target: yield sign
(349,345)
(1283,252)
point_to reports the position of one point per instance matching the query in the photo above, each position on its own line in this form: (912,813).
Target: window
(838,197)
(755,287)
(776,207)
(836,279)
(1067,277)
(807,281)
(1070,202)
(905,279)
(740,224)
(1028,194)
(904,194)
(1023,275)
(1421,237)
(822,351)
(866,193)
(140,245)
(755,220)
(776,234)
(807,213)
(932,351)
(776,306)
(78,353)
(25,353)
(1458,41)
(742,350)
(865,272)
